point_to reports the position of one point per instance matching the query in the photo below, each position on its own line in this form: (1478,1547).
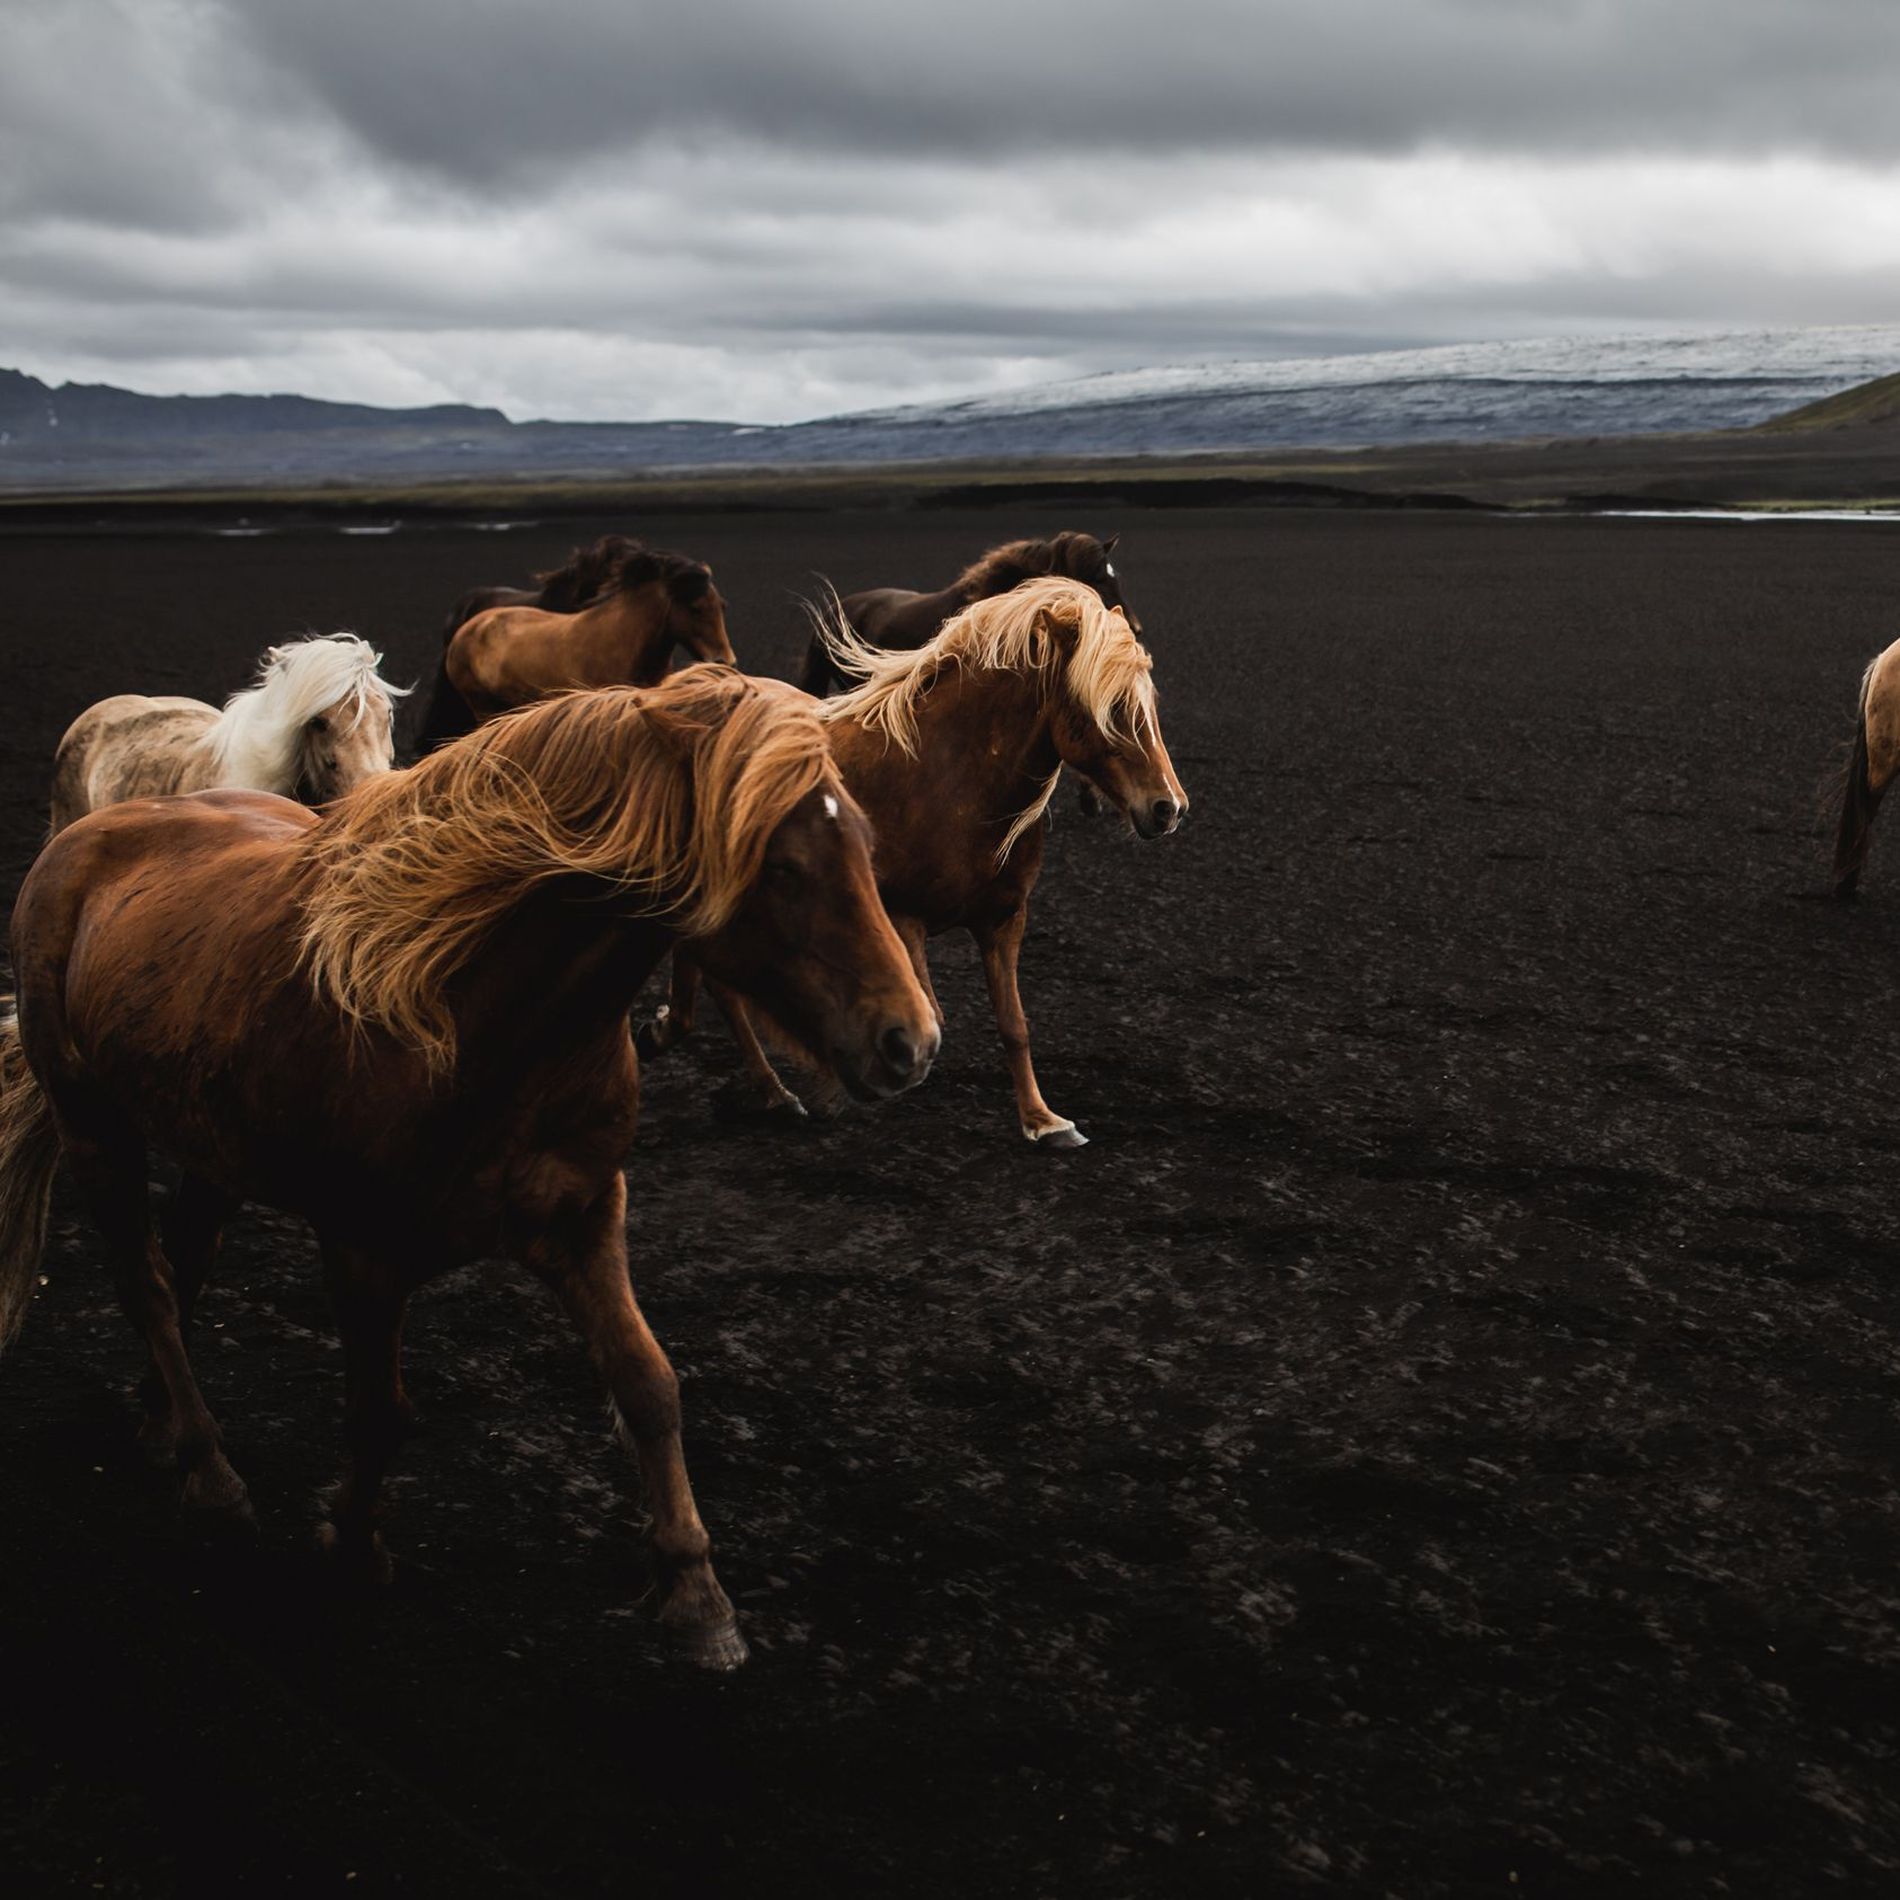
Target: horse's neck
(556,976)
(992,729)
(625,634)
(246,747)
(1001,581)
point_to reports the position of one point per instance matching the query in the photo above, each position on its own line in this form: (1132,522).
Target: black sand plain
(1441,1437)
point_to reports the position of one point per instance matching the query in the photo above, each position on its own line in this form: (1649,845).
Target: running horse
(1871,767)
(320,719)
(954,750)
(406,1019)
(893,617)
(650,601)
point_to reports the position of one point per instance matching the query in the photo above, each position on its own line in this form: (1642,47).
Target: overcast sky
(768,209)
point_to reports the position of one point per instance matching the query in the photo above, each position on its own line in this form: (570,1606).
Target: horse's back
(1880,714)
(507,656)
(128,746)
(867,613)
(151,902)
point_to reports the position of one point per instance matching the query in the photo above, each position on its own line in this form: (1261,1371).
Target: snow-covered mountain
(1546,386)
(1562,387)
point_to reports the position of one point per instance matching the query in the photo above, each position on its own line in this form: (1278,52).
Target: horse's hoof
(715,1646)
(646,1039)
(214,1497)
(356,1562)
(741,1102)
(1067,1136)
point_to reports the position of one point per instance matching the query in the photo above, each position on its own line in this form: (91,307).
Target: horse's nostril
(897,1049)
(1166,811)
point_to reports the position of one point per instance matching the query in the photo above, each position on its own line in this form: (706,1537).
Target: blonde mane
(259,738)
(664,795)
(1106,672)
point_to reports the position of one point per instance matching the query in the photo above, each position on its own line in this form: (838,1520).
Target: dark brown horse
(406,1019)
(895,617)
(954,751)
(644,602)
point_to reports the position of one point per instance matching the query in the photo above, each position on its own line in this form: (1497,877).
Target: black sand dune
(1440,1438)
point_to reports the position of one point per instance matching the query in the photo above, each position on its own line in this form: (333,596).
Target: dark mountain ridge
(33,411)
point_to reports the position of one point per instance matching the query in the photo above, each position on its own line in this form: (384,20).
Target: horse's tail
(449,714)
(29,1153)
(1859,801)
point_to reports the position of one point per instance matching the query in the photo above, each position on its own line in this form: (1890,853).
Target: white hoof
(1062,1135)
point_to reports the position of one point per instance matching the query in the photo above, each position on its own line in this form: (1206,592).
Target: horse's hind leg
(1000,945)
(189,1231)
(368,1300)
(111,1173)
(584,1263)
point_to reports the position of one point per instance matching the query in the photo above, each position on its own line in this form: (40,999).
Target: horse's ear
(677,734)
(1108,546)
(1063,625)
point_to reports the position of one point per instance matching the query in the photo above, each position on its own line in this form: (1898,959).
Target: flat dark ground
(1440,1438)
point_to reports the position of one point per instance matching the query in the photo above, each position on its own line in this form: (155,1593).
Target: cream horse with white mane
(320,718)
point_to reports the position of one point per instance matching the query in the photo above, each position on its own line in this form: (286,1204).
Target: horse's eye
(784,876)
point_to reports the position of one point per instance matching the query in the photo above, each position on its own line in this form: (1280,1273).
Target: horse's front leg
(1000,945)
(583,1261)
(912,935)
(369,1300)
(770,1095)
(672,1022)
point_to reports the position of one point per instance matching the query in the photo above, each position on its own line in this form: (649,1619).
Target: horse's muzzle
(899,1058)
(1156,818)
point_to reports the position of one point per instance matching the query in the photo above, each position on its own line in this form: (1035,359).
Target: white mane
(258,742)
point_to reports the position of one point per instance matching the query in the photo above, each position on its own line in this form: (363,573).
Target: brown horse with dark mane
(406,1019)
(611,617)
(578,582)
(895,617)
(954,751)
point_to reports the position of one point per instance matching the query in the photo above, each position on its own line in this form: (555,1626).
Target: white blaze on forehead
(831,806)
(1108,568)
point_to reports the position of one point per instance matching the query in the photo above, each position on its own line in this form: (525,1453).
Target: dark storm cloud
(486,93)
(585,208)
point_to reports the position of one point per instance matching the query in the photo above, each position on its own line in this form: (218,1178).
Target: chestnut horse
(1871,767)
(954,750)
(406,1019)
(650,601)
(560,590)
(320,718)
(896,617)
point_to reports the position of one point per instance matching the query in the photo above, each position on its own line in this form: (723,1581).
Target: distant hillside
(33,411)
(1866,403)
(75,438)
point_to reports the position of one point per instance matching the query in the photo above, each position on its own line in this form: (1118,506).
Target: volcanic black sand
(1439,1438)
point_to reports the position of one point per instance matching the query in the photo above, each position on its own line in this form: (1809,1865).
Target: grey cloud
(766,210)
(510,93)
